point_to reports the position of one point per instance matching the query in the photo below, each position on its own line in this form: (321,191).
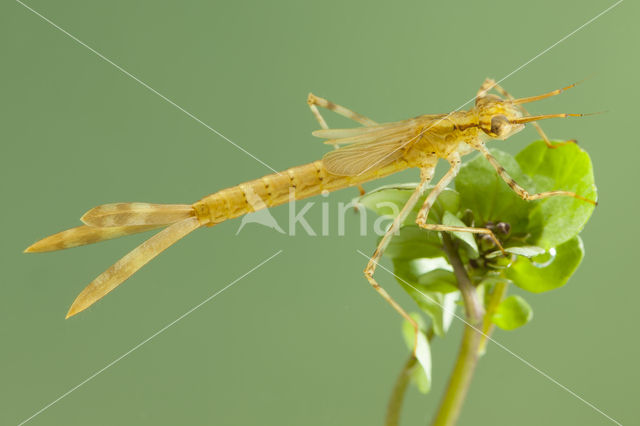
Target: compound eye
(498,124)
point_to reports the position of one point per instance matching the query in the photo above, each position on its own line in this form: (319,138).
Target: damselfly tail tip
(86,218)
(71,312)
(62,240)
(39,246)
(80,304)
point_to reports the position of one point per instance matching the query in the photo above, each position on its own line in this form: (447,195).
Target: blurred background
(303,339)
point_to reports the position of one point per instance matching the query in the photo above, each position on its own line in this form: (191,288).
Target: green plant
(441,270)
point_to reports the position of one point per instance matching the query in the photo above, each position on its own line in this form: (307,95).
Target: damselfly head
(498,118)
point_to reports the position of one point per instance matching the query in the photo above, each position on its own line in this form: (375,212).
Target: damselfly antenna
(530,118)
(518,102)
(544,95)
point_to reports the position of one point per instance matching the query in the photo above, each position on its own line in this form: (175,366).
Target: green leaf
(449,305)
(543,274)
(420,379)
(558,219)
(426,274)
(421,375)
(414,242)
(450,219)
(433,286)
(407,329)
(489,197)
(439,306)
(389,200)
(511,313)
(526,251)
(439,280)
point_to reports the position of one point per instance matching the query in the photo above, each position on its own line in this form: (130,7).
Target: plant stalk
(394,406)
(460,380)
(495,298)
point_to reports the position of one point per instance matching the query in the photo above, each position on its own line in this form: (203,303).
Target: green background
(303,339)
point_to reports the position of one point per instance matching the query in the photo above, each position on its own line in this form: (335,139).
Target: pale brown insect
(364,154)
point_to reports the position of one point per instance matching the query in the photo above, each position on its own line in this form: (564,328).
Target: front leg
(421,220)
(520,190)
(425,177)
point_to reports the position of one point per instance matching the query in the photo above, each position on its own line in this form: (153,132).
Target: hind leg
(421,219)
(316,101)
(419,344)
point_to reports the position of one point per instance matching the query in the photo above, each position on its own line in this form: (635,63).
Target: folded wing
(367,148)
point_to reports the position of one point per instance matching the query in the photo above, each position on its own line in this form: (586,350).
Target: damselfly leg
(316,101)
(421,219)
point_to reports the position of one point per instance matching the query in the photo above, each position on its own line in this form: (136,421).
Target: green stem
(453,398)
(394,406)
(496,296)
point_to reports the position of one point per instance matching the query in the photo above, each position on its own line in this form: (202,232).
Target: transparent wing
(333,135)
(360,134)
(370,148)
(361,157)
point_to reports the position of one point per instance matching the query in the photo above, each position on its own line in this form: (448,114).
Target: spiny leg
(490,83)
(316,101)
(316,112)
(485,87)
(520,190)
(421,220)
(425,176)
